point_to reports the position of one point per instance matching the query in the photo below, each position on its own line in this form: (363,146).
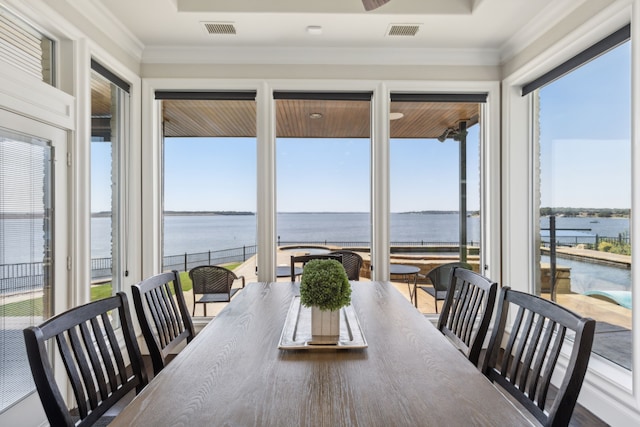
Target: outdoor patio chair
(214,283)
(163,316)
(524,367)
(87,338)
(306,258)
(352,263)
(467,311)
(440,278)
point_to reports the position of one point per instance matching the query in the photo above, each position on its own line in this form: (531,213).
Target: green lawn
(33,307)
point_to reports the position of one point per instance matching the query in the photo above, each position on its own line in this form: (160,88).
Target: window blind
(25,48)
(592,52)
(25,254)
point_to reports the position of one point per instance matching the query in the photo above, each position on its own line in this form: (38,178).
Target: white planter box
(325,326)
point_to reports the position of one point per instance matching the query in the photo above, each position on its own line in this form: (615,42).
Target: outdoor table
(406,271)
(233,372)
(285,271)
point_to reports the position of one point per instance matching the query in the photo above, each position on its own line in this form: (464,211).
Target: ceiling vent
(219,28)
(403,29)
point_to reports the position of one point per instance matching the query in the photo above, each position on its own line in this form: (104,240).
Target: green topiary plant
(325,285)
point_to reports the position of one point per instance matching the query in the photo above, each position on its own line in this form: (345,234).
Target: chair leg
(436,301)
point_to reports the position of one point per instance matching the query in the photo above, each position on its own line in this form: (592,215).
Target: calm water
(584,230)
(204,233)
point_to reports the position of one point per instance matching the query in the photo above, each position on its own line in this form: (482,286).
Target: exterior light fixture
(448,132)
(315,115)
(395,115)
(453,133)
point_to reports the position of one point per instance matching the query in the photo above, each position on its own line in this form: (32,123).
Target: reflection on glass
(585,197)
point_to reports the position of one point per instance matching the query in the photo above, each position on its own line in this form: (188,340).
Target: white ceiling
(471,25)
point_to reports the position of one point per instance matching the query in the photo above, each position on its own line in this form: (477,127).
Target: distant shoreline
(186,213)
(206,213)
(558,212)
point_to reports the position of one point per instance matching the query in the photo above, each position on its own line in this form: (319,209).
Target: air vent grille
(403,30)
(219,28)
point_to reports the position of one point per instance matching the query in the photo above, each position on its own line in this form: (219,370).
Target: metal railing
(23,277)
(27,277)
(351,244)
(187,261)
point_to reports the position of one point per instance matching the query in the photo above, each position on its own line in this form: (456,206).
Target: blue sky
(585,159)
(585,135)
(316,175)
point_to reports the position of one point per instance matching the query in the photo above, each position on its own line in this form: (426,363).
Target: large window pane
(109,112)
(435,186)
(585,197)
(209,187)
(323,168)
(26,242)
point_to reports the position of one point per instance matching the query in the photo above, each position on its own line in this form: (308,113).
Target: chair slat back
(467,311)
(352,263)
(87,340)
(306,258)
(526,364)
(164,319)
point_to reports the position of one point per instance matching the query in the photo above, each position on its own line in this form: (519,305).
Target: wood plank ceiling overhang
(295,118)
(312,118)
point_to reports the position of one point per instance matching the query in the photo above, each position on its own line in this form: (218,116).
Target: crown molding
(102,18)
(538,25)
(320,56)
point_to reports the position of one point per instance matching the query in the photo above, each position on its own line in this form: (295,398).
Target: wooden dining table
(234,374)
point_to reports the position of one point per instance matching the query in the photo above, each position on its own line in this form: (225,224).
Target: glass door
(32,241)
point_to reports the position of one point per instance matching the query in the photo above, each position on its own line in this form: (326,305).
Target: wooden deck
(595,308)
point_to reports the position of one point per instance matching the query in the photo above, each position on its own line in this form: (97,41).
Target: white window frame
(36,108)
(608,389)
(266,185)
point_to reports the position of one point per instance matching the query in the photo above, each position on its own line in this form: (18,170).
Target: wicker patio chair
(352,263)
(306,258)
(214,283)
(440,278)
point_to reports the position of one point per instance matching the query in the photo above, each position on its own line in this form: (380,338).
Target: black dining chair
(352,263)
(306,258)
(100,372)
(163,316)
(525,365)
(214,283)
(467,311)
(439,279)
